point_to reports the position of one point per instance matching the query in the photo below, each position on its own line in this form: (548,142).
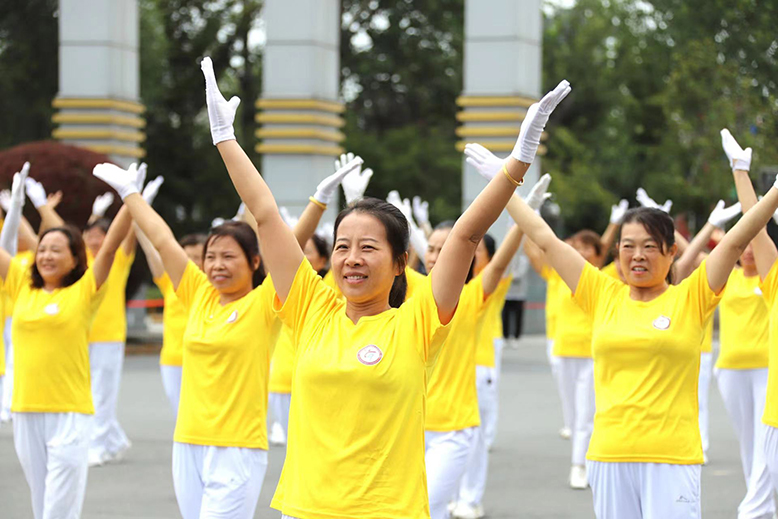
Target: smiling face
(434,246)
(54,258)
(362,259)
(227,267)
(644,262)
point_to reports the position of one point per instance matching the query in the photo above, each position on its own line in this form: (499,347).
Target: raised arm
(113,240)
(153,258)
(609,236)
(765,252)
(284,257)
(453,263)
(46,205)
(417,235)
(495,269)
(9,236)
(693,255)
(535,256)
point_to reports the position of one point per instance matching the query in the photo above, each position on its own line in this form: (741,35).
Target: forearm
(496,268)
(693,255)
(28,240)
(307,223)
(681,242)
(535,256)
(49,219)
(745,189)
(9,235)
(250,185)
(152,256)
(765,252)
(117,232)
(606,242)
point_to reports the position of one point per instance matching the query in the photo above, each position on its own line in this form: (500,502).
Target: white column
(98,100)
(299,111)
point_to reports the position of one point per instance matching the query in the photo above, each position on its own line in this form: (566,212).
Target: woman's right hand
(125,182)
(221,113)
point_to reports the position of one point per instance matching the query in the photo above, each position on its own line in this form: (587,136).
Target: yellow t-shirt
(770,290)
(646,368)
(110,324)
(174,324)
(227,351)
(452,400)
(282,366)
(610,269)
(707,339)
(744,324)
(573,336)
(553,290)
(356,423)
(492,325)
(51,357)
(25,259)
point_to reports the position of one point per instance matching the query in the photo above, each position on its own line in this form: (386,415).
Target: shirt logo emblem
(757,291)
(233,317)
(52,309)
(662,323)
(370,355)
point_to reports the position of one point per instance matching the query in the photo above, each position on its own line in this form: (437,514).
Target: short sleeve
(769,285)
(124,260)
(428,332)
(88,287)
(593,288)
(702,299)
(309,299)
(545,272)
(15,278)
(164,284)
(191,281)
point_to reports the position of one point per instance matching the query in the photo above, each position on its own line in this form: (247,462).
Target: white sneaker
(277,436)
(96,458)
(565,433)
(578,478)
(465,511)
(705,459)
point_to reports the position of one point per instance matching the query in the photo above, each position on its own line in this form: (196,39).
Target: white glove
(221,113)
(646,201)
(241,211)
(739,158)
(354,183)
(102,203)
(152,189)
(5,200)
(216,222)
(35,192)
(421,211)
(124,182)
(534,122)
(17,187)
(721,215)
(537,194)
(618,211)
(290,220)
(403,205)
(484,161)
(141,174)
(326,231)
(327,187)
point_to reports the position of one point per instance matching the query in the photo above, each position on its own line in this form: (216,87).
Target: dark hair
(446,225)
(191,240)
(321,245)
(77,249)
(246,238)
(491,246)
(658,224)
(397,234)
(101,223)
(590,239)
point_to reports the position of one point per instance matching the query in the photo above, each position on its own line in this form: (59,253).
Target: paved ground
(528,472)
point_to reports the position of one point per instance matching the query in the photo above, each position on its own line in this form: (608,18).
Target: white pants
(771,453)
(8,379)
(744,392)
(706,371)
(105,364)
(171,381)
(489,424)
(279,407)
(217,482)
(446,458)
(553,361)
(576,377)
(52,450)
(471,491)
(645,490)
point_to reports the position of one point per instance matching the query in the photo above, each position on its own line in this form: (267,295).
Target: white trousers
(279,404)
(645,490)
(744,392)
(217,482)
(105,364)
(471,490)
(771,453)
(553,361)
(171,381)
(8,379)
(52,450)
(576,377)
(446,458)
(706,371)
(489,424)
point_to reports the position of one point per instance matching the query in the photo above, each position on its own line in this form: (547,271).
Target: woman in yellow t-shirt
(54,303)
(645,454)
(356,424)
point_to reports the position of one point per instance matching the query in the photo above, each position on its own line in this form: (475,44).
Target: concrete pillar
(502,78)
(98,100)
(299,112)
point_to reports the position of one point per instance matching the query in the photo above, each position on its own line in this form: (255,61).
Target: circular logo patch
(662,323)
(52,309)
(370,355)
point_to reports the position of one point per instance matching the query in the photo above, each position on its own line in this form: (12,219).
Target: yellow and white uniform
(742,379)
(221,429)
(769,287)
(52,399)
(356,444)
(25,260)
(106,358)
(174,319)
(646,358)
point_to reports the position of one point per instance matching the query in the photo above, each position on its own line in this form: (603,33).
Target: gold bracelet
(320,204)
(515,182)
